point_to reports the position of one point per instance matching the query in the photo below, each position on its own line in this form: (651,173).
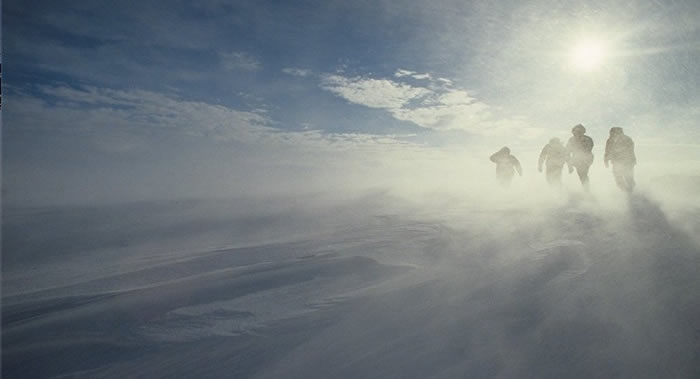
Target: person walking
(579,154)
(553,156)
(506,166)
(619,149)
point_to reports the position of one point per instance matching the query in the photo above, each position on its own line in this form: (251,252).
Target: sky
(130,100)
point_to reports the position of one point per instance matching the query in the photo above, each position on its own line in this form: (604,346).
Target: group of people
(576,155)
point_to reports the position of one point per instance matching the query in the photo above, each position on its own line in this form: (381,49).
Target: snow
(371,286)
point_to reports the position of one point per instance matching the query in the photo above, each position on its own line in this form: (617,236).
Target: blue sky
(158,94)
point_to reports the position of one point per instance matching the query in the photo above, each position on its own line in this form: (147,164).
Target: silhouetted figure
(553,156)
(620,151)
(506,166)
(579,153)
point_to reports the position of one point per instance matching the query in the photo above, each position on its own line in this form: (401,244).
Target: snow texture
(371,287)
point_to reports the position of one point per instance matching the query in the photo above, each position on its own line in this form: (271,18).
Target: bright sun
(588,55)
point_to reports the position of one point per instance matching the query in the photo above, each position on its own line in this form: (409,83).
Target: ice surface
(367,287)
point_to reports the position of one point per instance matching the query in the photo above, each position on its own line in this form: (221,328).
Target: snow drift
(373,286)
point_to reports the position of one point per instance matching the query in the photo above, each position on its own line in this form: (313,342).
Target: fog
(69,170)
(524,282)
(189,259)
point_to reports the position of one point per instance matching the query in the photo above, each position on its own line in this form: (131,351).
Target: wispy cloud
(238,60)
(400,73)
(88,108)
(296,71)
(116,118)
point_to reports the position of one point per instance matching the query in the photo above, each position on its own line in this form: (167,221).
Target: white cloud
(456,97)
(373,93)
(237,60)
(447,110)
(401,73)
(438,108)
(446,117)
(296,71)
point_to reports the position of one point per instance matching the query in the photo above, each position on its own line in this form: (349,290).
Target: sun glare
(588,55)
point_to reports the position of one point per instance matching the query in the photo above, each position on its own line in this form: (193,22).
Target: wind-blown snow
(373,286)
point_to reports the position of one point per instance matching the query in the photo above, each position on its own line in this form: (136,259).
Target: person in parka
(506,166)
(579,154)
(619,149)
(553,156)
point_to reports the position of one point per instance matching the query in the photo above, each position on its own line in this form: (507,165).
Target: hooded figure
(553,155)
(620,151)
(579,153)
(506,166)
